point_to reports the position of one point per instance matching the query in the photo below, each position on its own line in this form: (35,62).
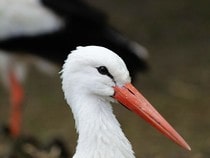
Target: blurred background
(176,35)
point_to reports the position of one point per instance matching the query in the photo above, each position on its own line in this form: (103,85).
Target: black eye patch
(104,71)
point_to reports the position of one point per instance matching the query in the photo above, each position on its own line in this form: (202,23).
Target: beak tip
(188,148)
(185,146)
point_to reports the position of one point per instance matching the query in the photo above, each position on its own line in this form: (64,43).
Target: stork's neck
(100,135)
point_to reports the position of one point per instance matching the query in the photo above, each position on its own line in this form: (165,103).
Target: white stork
(92,77)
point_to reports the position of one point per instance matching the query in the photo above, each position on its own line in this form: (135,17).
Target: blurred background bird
(176,34)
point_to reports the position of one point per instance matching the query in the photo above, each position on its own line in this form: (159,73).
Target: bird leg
(16,98)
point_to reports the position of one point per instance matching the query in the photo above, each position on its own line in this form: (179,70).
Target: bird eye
(103,70)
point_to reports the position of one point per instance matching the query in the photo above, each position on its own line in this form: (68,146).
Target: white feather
(26,17)
(88,93)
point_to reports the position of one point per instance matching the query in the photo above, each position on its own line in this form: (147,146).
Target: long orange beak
(130,97)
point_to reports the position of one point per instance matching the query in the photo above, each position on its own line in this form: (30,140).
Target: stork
(92,78)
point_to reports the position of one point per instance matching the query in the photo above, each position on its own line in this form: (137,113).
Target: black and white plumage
(51,28)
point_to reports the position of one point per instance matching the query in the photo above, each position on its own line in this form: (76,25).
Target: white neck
(100,135)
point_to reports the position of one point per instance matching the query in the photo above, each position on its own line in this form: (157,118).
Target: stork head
(94,71)
(98,72)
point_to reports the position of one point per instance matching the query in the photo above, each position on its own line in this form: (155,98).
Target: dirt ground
(176,34)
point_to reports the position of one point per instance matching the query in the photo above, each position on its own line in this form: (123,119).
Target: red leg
(16,105)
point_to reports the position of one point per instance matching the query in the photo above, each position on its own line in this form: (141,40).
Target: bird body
(90,81)
(50,28)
